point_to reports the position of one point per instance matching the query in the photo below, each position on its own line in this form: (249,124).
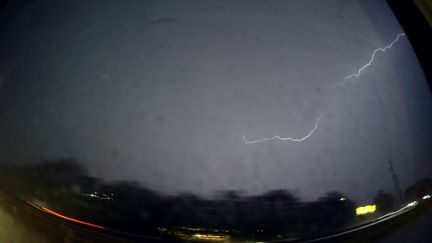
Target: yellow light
(366,209)
(210,237)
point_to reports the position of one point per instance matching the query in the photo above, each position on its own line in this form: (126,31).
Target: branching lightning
(347,78)
(285,138)
(357,74)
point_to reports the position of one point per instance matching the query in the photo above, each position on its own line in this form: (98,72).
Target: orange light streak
(71,219)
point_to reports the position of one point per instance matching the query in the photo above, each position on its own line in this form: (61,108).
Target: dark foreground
(22,222)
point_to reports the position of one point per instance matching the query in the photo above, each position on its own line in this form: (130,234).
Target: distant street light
(365,209)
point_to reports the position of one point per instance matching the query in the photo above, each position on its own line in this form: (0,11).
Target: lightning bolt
(357,74)
(285,138)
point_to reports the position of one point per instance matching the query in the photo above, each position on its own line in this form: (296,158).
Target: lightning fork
(382,49)
(285,138)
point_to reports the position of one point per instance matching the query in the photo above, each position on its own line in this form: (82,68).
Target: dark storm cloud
(162,92)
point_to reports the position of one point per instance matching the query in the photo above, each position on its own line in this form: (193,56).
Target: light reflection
(210,237)
(426,197)
(412,204)
(201,234)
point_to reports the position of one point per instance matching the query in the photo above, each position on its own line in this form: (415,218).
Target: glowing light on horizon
(102,196)
(210,237)
(365,209)
(382,49)
(277,137)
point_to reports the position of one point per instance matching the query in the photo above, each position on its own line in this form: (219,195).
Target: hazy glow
(426,197)
(284,138)
(357,74)
(366,209)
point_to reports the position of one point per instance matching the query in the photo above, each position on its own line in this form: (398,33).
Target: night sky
(162,92)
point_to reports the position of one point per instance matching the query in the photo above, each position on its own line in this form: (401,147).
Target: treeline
(64,186)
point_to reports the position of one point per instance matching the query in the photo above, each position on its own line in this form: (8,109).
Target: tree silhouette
(384,201)
(419,189)
(136,209)
(275,210)
(331,211)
